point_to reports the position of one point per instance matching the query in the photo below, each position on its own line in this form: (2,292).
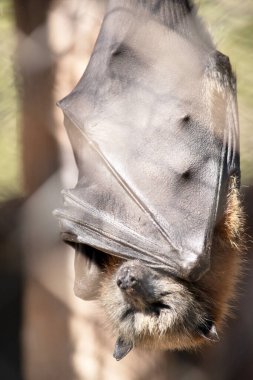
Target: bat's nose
(126,279)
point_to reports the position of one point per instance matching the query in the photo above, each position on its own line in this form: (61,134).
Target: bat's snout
(133,279)
(127,278)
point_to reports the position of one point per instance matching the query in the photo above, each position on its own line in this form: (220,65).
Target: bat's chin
(160,326)
(159,330)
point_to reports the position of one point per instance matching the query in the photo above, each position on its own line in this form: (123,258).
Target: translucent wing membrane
(153,125)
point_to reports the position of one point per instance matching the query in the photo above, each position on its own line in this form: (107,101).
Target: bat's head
(152,309)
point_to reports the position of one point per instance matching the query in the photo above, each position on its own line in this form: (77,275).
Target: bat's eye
(164,294)
(161,305)
(158,306)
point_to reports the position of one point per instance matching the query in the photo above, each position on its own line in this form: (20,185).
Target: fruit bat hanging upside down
(155,217)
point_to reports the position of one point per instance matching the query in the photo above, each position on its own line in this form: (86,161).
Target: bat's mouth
(152,310)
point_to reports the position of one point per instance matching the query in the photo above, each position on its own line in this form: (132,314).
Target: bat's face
(151,309)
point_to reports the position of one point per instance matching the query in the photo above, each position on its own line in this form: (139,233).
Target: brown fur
(191,304)
(226,257)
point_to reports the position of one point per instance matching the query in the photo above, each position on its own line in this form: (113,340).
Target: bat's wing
(153,125)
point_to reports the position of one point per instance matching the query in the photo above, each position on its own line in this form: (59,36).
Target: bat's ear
(208,330)
(122,348)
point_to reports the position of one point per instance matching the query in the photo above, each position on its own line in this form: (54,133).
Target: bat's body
(154,129)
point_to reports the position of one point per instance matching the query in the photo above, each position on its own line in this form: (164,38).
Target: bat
(155,217)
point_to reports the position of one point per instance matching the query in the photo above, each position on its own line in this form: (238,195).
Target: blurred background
(46,332)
